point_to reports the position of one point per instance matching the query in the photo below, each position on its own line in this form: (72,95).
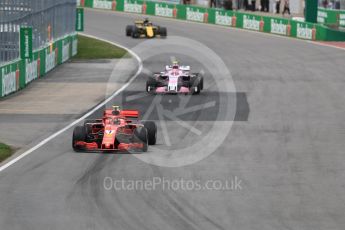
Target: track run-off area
(262,147)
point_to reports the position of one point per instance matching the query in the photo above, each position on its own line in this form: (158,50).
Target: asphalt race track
(281,131)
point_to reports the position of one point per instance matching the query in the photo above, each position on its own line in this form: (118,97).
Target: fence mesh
(49,19)
(332,4)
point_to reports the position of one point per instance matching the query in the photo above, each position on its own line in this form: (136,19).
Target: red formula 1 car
(118,130)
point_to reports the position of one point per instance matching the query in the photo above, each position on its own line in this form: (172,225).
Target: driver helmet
(175,65)
(116,110)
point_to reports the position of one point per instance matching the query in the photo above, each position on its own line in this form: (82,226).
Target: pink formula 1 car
(175,79)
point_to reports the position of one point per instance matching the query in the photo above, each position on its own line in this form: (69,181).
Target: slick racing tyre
(129,30)
(150,85)
(135,32)
(201,83)
(201,80)
(163,31)
(151,132)
(196,84)
(78,135)
(140,136)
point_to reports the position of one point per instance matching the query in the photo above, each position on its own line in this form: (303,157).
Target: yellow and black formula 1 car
(145,28)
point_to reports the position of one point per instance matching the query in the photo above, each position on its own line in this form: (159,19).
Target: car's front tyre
(163,31)
(151,132)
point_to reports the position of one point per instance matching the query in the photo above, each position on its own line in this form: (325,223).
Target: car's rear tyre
(201,83)
(151,131)
(196,85)
(163,31)
(129,30)
(78,135)
(201,80)
(140,136)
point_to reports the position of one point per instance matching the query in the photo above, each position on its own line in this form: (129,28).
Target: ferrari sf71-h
(118,130)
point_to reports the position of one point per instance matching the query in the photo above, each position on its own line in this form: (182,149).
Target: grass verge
(89,48)
(5,152)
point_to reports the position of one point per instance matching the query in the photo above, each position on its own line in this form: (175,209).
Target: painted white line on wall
(51,137)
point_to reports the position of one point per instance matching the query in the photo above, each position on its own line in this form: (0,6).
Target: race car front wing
(93,146)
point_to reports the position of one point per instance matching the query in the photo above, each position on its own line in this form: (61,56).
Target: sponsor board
(79,25)
(164,11)
(278,27)
(133,7)
(12,76)
(74,47)
(321,16)
(342,20)
(102,4)
(304,32)
(65,52)
(329,16)
(31,71)
(26,43)
(223,19)
(50,60)
(9,82)
(194,15)
(251,23)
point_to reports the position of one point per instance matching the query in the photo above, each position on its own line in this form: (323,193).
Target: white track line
(43,142)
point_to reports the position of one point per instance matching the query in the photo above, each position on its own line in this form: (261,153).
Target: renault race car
(145,28)
(175,79)
(118,130)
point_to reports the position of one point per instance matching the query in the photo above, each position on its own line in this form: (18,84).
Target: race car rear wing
(122,113)
(130,113)
(182,67)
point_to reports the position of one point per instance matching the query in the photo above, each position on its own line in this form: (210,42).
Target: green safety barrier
(331,17)
(18,74)
(279,26)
